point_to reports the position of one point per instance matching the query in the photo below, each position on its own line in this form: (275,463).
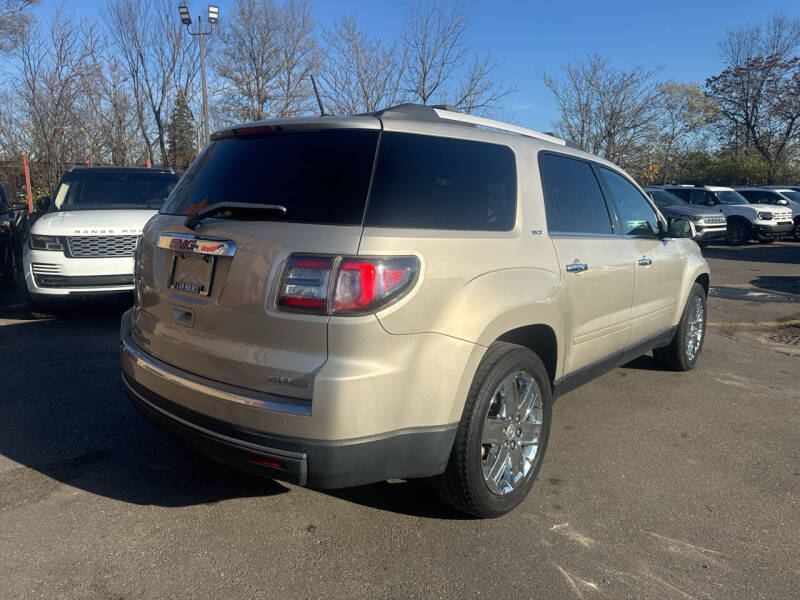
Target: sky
(528,37)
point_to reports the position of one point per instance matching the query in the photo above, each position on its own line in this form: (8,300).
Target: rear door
(206,297)
(597,270)
(658,261)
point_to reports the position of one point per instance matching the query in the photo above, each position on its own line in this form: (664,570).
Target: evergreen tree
(181,133)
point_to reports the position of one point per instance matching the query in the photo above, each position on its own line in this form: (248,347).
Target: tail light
(345,285)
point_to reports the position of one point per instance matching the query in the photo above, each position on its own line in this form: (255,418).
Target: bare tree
(52,70)
(685,113)
(14,22)
(605,110)
(778,37)
(266,54)
(150,40)
(440,67)
(360,74)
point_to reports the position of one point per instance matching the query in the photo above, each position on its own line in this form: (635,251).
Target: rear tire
(482,478)
(10,279)
(683,351)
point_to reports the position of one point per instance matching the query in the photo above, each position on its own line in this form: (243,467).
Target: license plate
(192,273)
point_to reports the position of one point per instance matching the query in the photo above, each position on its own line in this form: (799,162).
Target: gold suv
(336,301)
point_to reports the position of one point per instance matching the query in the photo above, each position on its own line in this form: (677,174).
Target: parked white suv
(746,221)
(84,244)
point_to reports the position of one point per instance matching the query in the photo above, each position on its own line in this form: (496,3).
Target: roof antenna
(322,112)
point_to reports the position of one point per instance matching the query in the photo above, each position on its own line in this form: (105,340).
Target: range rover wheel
(502,435)
(796,230)
(738,233)
(687,343)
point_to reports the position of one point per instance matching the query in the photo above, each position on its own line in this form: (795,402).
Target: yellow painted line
(789,323)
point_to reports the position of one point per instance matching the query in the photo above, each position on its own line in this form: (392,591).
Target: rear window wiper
(236,209)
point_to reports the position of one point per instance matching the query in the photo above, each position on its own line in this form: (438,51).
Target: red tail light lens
(363,285)
(355,285)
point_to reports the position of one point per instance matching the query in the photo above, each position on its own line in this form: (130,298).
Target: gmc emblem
(183,244)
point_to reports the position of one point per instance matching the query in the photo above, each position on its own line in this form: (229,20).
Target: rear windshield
(319,176)
(443,183)
(324,177)
(106,191)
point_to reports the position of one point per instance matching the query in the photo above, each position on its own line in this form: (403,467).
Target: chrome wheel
(511,433)
(694,335)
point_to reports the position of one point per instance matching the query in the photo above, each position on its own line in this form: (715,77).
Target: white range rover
(84,244)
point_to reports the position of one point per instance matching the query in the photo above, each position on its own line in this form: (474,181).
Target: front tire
(738,233)
(502,436)
(687,343)
(796,230)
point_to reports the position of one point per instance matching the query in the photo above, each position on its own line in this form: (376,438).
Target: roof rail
(450,115)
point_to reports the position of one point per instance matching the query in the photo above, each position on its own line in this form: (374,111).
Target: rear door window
(319,176)
(572,196)
(442,183)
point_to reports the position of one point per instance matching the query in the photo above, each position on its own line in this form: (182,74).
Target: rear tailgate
(206,298)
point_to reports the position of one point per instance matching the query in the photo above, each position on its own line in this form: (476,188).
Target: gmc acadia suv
(342,300)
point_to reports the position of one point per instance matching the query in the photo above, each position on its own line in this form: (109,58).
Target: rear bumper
(249,429)
(407,454)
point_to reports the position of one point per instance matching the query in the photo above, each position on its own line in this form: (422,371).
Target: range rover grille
(102,246)
(715,220)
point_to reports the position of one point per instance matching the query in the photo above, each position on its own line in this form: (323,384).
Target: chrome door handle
(577,267)
(645,261)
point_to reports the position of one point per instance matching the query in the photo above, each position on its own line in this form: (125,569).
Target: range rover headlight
(764,216)
(46,242)
(694,218)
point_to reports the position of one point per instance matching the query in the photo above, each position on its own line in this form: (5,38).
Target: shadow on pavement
(787,254)
(775,283)
(65,416)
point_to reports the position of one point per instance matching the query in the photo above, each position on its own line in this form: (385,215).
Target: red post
(89,161)
(148,163)
(27,183)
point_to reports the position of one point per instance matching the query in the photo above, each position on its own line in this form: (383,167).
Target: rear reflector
(264,461)
(358,284)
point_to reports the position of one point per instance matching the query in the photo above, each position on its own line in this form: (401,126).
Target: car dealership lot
(656,484)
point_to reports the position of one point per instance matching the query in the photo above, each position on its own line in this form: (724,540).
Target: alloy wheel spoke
(494,431)
(531,431)
(517,461)
(498,468)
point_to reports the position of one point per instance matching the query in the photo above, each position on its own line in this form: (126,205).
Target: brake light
(354,285)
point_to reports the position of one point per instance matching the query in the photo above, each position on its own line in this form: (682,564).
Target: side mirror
(681,228)
(782,202)
(43,203)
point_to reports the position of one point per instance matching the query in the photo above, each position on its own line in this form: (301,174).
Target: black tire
(10,279)
(675,355)
(462,484)
(738,233)
(796,230)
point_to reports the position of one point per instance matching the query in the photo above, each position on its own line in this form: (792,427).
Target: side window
(703,198)
(443,183)
(636,216)
(572,196)
(682,194)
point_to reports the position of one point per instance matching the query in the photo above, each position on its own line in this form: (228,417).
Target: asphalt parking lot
(655,485)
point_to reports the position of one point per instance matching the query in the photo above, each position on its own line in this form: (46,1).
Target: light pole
(200,32)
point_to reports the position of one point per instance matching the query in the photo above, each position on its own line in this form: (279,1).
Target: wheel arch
(538,338)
